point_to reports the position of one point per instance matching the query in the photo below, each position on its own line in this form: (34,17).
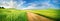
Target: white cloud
(6,4)
(20,5)
(44,5)
(10,3)
(14,4)
(32,6)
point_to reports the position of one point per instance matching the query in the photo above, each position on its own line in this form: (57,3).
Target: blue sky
(30,4)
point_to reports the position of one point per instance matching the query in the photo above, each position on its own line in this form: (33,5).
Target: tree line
(2,8)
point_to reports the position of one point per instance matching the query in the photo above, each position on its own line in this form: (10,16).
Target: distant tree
(2,8)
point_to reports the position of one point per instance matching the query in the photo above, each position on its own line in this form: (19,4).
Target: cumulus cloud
(43,5)
(6,4)
(11,4)
(32,6)
(19,5)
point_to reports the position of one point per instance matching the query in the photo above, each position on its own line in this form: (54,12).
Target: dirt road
(35,17)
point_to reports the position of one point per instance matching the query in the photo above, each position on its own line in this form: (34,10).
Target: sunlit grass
(12,15)
(21,15)
(48,13)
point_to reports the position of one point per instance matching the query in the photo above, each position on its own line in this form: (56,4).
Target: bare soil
(35,17)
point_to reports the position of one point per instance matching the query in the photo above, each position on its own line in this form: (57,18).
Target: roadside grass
(50,13)
(12,15)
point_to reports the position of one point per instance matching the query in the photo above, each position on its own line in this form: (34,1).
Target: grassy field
(21,15)
(12,15)
(50,13)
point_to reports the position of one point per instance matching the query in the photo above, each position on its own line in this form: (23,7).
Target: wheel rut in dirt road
(35,17)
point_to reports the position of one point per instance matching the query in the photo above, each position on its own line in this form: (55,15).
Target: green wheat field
(21,15)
